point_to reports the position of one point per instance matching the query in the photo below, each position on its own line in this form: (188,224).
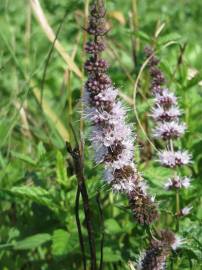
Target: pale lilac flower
(173,183)
(123,159)
(186,211)
(178,242)
(109,94)
(144,187)
(165,98)
(159,114)
(100,153)
(186,182)
(169,130)
(115,117)
(109,135)
(176,183)
(173,159)
(126,184)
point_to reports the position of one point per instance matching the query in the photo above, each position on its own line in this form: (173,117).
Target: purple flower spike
(166,115)
(111,136)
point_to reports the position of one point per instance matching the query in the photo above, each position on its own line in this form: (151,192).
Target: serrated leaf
(36,194)
(30,191)
(32,242)
(157,175)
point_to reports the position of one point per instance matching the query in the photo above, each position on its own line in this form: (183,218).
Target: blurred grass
(37,194)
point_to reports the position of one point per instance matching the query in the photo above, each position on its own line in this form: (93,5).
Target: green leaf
(192,253)
(24,158)
(32,242)
(41,151)
(111,255)
(36,194)
(194,81)
(61,169)
(143,36)
(112,226)
(63,242)
(4,129)
(157,175)
(169,37)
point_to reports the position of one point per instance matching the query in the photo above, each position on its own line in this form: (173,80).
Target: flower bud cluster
(168,128)
(111,136)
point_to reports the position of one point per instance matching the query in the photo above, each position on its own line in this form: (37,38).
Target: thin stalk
(177,195)
(49,57)
(79,171)
(171,145)
(28,34)
(117,57)
(78,223)
(135,25)
(69,94)
(177,210)
(87,212)
(134,99)
(179,60)
(102,233)
(86,8)
(67,82)
(8,245)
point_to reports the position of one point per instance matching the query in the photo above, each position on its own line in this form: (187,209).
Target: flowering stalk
(168,128)
(111,136)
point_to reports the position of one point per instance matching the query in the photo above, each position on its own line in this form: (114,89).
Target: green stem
(69,93)
(135,25)
(177,210)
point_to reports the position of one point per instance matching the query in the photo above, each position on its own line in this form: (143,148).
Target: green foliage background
(37,192)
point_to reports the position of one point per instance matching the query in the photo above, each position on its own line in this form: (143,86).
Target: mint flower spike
(154,258)
(166,115)
(111,136)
